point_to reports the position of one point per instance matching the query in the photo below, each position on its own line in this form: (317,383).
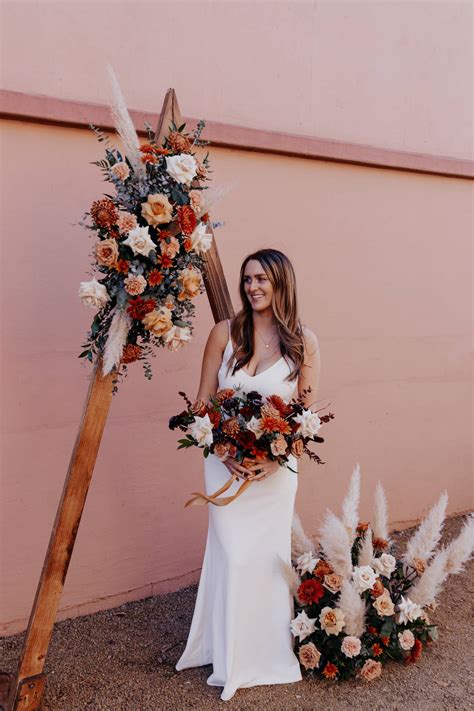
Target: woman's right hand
(235,468)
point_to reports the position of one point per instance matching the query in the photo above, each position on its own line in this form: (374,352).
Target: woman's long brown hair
(280,272)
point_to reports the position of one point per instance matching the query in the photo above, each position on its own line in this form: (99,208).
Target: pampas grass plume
(350,505)
(429,584)
(300,543)
(116,340)
(380,524)
(353,607)
(425,539)
(336,544)
(291,576)
(460,550)
(366,549)
(124,124)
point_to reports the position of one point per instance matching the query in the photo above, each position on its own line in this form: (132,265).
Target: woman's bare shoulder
(310,341)
(220,333)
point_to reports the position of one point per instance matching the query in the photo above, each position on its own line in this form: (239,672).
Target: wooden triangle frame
(24,689)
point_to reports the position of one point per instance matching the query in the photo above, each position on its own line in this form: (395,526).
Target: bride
(241,621)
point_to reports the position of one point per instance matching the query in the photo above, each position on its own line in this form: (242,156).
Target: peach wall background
(383,260)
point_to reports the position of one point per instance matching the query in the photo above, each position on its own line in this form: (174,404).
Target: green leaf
(83,354)
(433,633)
(206,452)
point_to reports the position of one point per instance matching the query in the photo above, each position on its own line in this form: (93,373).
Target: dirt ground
(123,660)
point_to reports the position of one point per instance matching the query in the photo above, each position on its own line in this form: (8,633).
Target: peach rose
(106,252)
(135,284)
(377,589)
(191,280)
(351,646)
(331,620)
(170,248)
(120,170)
(371,670)
(333,582)
(196,200)
(278,446)
(126,222)
(177,337)
(384,605)
(309,655)
(158,321)
(157,209)
(419,565)
(406,639)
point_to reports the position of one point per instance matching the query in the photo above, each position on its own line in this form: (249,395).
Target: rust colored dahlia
(138,308)
(322,568)
(225,394)
(275,424)
(215,418)
(310,591)
(131,353)
(104,213)
(165,261)
(187,219)
(121,266)
(231,427)
(380,543)
(155,277)
(178,142)
(280,405)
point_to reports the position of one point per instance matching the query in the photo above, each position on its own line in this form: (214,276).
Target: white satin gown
(243,610)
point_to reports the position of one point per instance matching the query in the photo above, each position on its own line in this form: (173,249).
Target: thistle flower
(350,505)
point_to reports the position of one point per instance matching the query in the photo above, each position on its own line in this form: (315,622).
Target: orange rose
(106,252)
(191,281)
(157,209)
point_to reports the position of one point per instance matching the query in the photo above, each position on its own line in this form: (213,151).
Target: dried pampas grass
(353,607)
(460,550)
(427,536)
(116,340)
(366,549)
(380,523)
(427,587)
(336,545)
(291,576)
(124,124)
(350,505)
(300,543)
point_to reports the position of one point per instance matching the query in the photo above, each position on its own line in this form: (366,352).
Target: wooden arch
(23,690)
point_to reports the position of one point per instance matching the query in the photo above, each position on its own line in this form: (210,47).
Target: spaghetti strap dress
(243,609)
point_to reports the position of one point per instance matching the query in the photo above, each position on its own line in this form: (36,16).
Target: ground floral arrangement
(357,606)
(249,428)
(150,239)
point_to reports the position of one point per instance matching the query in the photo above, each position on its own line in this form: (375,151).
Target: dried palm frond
(353,607)
(124,124)
(380,524)
(116,340)
(426,537)
(350,505)
(336,544)
(300,543)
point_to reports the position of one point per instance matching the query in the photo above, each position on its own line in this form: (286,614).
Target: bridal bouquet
(150,239)
(357,605)
(248,428)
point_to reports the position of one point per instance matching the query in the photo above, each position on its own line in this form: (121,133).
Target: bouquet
(248,428)
(151,236)
(357,605)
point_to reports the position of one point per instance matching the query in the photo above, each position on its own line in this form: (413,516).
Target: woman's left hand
(265,468)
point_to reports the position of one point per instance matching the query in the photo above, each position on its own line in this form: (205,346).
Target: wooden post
(23,691)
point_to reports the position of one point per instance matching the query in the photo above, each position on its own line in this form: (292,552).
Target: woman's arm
(309,375)
(211,360)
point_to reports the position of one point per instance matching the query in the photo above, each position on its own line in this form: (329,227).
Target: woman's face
(257,286)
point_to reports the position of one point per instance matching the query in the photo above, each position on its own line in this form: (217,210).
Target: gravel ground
(123,660)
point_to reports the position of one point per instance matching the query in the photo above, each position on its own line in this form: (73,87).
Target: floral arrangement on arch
(151,236)
(357,606)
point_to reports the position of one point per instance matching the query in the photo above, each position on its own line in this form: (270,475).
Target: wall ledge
(38,108)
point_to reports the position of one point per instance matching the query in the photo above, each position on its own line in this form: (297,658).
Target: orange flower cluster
(178,142)
(377,649)
(380,543)
(222,395)
(150,152)
(155,277)
(131,353)
(280,405)
(231,426)
(187,219)
(322,568)
(275,424)
(104,213)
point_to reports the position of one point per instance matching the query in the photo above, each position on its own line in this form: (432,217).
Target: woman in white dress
(241,621)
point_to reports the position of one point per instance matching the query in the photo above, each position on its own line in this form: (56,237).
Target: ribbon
(201,499)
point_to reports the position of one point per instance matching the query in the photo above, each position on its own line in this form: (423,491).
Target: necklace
(267,345)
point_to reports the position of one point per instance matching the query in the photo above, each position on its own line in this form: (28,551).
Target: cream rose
(331,620)
(201,430)
(157,209)
(406,639)
(333,582)
(371,670)
(120,170)
(385,565)
(139,241)
(351,646)
(254,426)
(182,168)
(384,605)
(177,337)
(364,578)
(309,423)
(305,563)
(201,240)
(93,294)
(278,446)
(302,626)
(106,252)
(408,611)
(135,284)
(309,655)
(158,321)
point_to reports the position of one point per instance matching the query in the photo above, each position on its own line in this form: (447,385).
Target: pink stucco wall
(383,260)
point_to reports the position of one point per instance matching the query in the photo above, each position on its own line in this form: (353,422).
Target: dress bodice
(270,381)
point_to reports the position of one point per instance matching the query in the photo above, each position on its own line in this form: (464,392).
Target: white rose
(406,639)
(385,565)
(364,578)
(254,426)
(201,239)
(139,241)
(182,168)
(408,611)
(306,563)
(309,423)
(93,294)
(201,429)
(302,626)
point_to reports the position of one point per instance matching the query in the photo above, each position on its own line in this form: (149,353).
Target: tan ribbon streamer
(202,499)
